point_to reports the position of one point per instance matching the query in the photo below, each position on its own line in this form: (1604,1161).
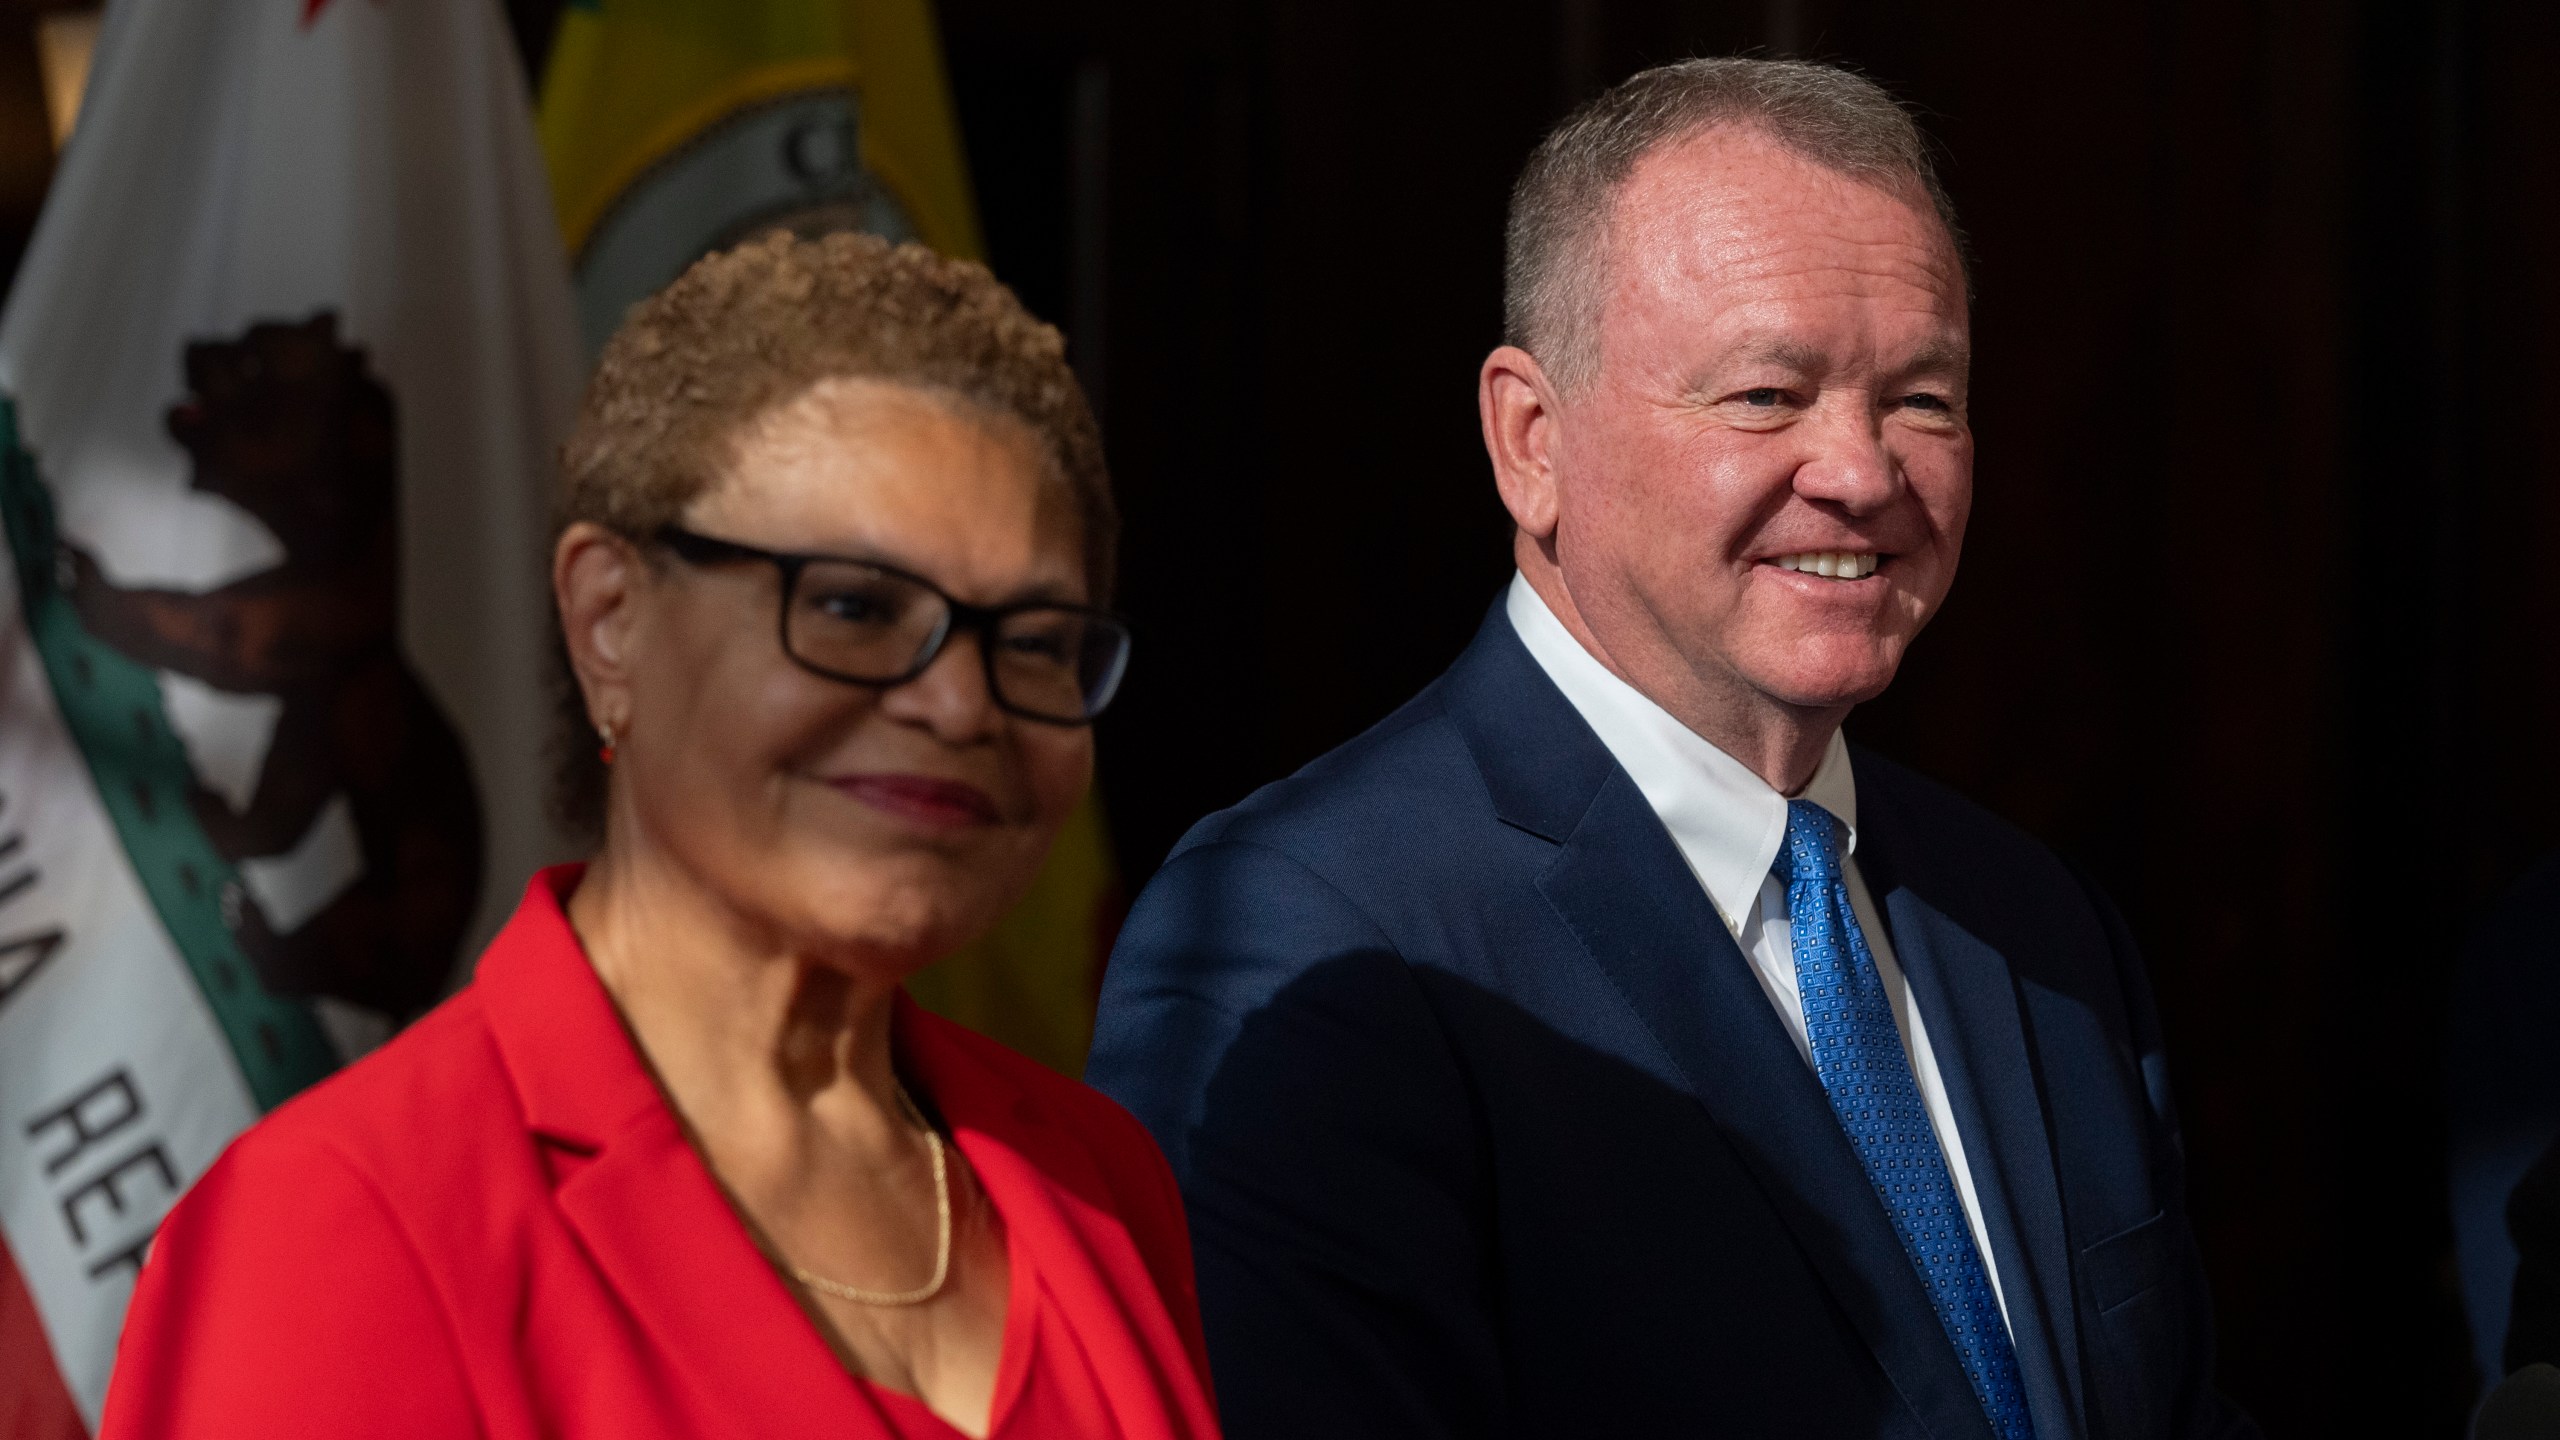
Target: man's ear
(1518,410)
(596,576)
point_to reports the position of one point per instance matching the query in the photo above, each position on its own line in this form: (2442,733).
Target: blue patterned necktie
(1858,1054)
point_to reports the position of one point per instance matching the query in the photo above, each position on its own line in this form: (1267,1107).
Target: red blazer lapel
(696,1289)
(1045,1181)
(640,1198)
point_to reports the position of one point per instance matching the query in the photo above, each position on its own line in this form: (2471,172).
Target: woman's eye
(856,608)
(1038,647)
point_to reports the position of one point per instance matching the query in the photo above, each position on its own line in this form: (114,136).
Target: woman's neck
(763,1049)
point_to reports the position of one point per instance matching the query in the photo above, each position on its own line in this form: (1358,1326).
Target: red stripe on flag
(34,1405)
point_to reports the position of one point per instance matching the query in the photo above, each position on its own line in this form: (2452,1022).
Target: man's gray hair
(1555,245)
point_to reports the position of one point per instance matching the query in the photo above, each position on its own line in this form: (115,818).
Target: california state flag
(280,384)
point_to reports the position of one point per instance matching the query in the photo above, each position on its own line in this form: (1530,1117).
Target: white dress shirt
(1728,824)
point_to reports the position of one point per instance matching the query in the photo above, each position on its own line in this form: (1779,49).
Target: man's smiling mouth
(1832,564)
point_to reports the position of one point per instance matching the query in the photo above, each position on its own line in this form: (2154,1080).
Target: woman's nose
(951,697)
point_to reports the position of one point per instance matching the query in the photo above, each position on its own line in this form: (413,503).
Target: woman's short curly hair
(746,330)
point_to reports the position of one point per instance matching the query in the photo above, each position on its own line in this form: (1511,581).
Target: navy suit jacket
(1487,1130)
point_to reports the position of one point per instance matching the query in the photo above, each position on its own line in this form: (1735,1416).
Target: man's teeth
(1831,564)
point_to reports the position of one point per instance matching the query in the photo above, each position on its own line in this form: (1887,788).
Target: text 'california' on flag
(281,380)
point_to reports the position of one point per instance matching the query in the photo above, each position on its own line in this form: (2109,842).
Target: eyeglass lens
(867,625)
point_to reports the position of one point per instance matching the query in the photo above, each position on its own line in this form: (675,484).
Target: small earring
(606,733)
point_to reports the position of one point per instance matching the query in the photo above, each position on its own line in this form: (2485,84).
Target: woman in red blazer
(682,1160)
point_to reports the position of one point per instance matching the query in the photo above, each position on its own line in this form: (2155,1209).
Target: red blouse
(494,1227)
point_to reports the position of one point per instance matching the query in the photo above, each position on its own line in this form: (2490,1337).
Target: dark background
(2252,625)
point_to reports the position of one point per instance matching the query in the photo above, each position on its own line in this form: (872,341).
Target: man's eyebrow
(1790,355)
(1938,357)
(1944,357)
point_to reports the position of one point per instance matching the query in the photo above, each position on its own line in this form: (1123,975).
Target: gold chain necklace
(941,1247)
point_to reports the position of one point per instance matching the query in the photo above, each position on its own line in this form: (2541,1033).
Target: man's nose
(1848,463)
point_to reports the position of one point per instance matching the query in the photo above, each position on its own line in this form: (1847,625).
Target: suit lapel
(1968,997)
(1619,882)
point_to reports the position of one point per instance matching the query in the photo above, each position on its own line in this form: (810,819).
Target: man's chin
(1835,684)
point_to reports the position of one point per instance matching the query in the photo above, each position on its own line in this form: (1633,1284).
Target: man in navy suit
(1602,1046)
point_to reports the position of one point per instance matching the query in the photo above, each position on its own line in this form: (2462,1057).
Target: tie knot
(1812,851)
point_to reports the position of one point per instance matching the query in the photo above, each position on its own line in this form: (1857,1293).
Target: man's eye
(1763,398)
(1935,403)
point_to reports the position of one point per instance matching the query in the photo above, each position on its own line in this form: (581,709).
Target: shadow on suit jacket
(1486,1128)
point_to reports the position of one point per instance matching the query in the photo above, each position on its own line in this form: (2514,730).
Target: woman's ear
(596,578)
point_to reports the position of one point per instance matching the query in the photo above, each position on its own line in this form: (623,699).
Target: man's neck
(1780,743)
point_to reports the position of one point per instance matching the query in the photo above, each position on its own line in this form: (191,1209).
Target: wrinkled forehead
(1731,230)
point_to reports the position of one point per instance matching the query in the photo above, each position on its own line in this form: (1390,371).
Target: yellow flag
(677,127)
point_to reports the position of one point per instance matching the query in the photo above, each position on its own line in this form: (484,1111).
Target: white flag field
(281,380)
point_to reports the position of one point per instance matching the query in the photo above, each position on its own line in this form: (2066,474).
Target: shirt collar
(1727,822)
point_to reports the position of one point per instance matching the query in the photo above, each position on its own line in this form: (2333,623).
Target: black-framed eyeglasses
(866,623)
